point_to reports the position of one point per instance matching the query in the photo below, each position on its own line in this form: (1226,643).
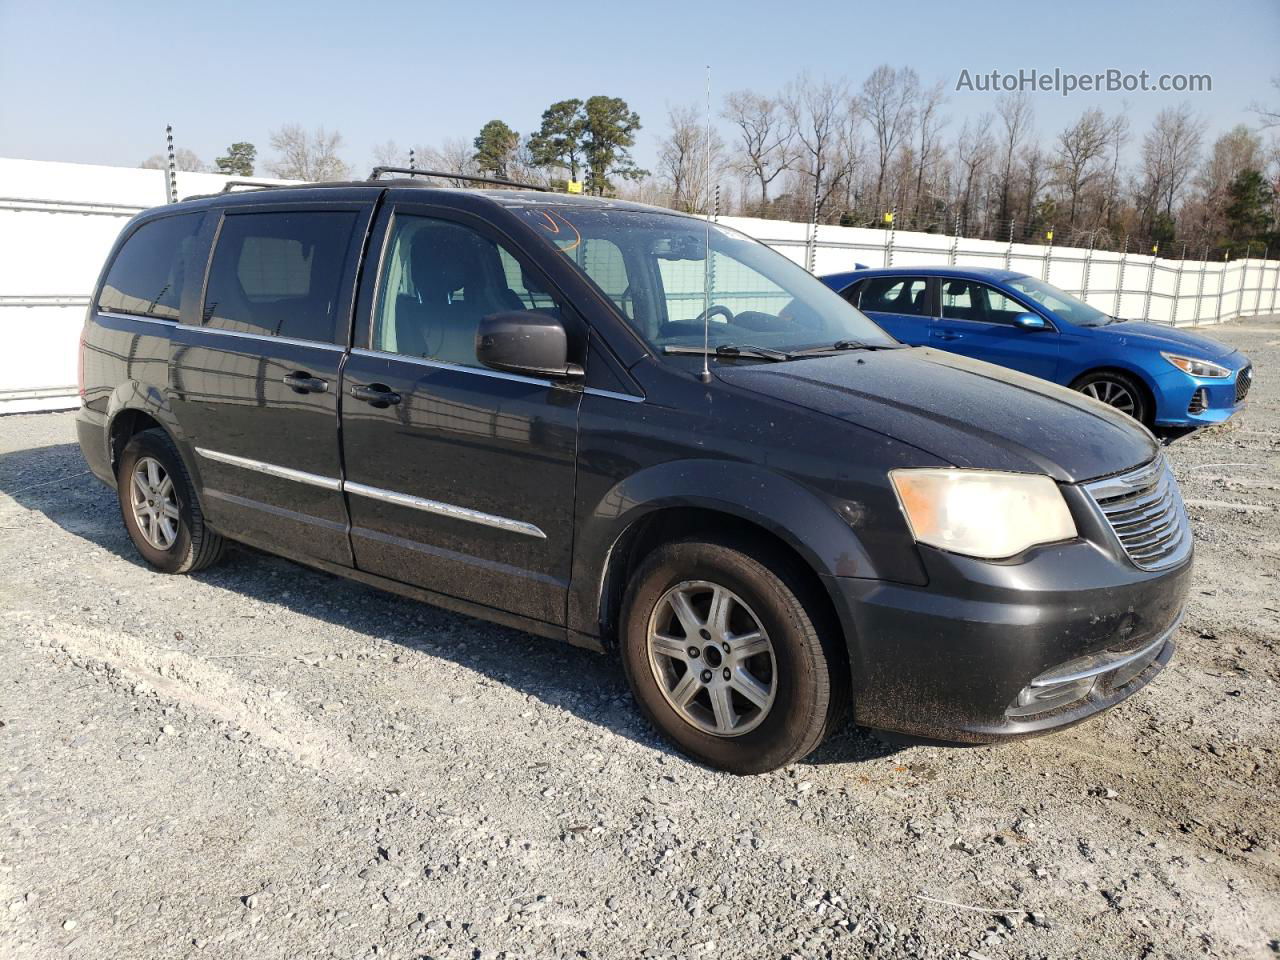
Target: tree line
(885,150)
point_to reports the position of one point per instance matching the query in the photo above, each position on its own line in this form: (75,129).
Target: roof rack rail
(414,172)
(230,185)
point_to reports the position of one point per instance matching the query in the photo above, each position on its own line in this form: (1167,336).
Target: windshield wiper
(840,345)
(731,350)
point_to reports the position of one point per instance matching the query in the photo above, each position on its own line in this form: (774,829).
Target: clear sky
(97,81)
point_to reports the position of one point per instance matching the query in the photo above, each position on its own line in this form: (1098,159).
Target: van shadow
(54,481)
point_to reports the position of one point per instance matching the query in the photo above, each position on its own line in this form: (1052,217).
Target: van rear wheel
(727,660)
(160,509)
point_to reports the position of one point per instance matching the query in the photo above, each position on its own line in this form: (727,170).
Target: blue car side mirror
(1031,321)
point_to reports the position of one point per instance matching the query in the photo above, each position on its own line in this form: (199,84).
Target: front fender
(820,531)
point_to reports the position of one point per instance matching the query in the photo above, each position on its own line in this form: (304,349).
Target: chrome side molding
(444,509)
(271,469)
(376,493)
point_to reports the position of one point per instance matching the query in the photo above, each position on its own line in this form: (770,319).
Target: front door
(977,321)
(460,479)
(255,380)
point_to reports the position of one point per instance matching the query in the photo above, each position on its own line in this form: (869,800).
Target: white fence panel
(58,221)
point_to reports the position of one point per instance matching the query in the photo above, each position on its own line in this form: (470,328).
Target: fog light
(1041,699)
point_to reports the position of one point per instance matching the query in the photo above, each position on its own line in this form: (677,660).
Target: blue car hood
(1140,334)
(964,411)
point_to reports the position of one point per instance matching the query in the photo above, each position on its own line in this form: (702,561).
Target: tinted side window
(438,279)
(279,274)
(908,295)
(970,300)
(148,274)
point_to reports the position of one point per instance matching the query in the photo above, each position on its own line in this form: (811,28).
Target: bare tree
(454,156)
(1016,118)
(1081,148)
(887,103)
(1170,151)
(389,154)
(690,159)
(1268,115)
(1033,176)
(183,159)
(307,156)
(766,136)
(928,126)
(821,114)
(973,149)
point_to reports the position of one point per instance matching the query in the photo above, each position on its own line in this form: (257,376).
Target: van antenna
(705,376)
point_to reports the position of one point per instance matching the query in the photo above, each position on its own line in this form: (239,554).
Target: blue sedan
(1160,375)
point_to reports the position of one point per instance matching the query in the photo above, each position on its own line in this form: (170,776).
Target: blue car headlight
(1198,368)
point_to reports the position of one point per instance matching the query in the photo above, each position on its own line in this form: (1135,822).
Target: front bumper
(1187,401)
(954,661)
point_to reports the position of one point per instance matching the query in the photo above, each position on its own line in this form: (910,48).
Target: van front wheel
(726,660)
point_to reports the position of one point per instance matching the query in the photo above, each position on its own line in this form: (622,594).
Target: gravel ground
(264,761)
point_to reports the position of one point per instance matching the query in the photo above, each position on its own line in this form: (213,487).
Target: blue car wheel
(1117,390)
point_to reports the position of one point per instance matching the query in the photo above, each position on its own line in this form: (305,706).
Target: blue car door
(978,320)
(900,304)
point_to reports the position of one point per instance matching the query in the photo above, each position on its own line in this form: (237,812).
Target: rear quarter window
(151,269)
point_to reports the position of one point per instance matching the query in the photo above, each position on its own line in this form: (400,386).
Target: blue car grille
(1244,380)
(1145,511)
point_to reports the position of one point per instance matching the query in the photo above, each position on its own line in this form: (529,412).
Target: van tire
(171,536)
(808,676)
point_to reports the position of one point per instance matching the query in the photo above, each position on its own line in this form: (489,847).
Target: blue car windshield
(1059,302)
(654,268)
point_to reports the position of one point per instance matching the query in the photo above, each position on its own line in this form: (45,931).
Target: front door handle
(948,336)
(302,382)
(377,395)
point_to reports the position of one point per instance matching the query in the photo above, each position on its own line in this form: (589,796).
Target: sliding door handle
(376,394)
(302,382)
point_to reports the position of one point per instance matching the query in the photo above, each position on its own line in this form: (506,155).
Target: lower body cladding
(992,651)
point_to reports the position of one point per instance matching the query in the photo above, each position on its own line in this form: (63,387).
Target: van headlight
(1197,368)
(982,513)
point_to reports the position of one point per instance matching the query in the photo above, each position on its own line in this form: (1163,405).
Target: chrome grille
(1146,513)
(1244,380)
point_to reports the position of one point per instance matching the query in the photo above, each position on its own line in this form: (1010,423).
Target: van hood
(1138,333)
(963,411)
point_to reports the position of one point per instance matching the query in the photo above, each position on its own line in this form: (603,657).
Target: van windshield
(654,268)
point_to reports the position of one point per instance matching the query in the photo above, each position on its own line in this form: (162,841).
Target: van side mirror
(1031,321)
(525,341)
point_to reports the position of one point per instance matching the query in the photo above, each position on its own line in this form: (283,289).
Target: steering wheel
(712,311)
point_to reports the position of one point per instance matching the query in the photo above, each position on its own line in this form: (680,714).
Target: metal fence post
(1222,283)
(811,234)
(1262,278)
(1008,253)
(1244,276)
(1048,256)
(1088,264)
(1177,288)
(173,165)
(1124,257)
(412,159)
(955,242)
(1151,282)
(893,229)
(1204,268)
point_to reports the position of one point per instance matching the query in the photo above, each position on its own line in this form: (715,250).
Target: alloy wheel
(1113,394)
(155,504)
(712,658)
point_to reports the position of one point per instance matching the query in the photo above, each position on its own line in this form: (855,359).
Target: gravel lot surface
(264,761)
